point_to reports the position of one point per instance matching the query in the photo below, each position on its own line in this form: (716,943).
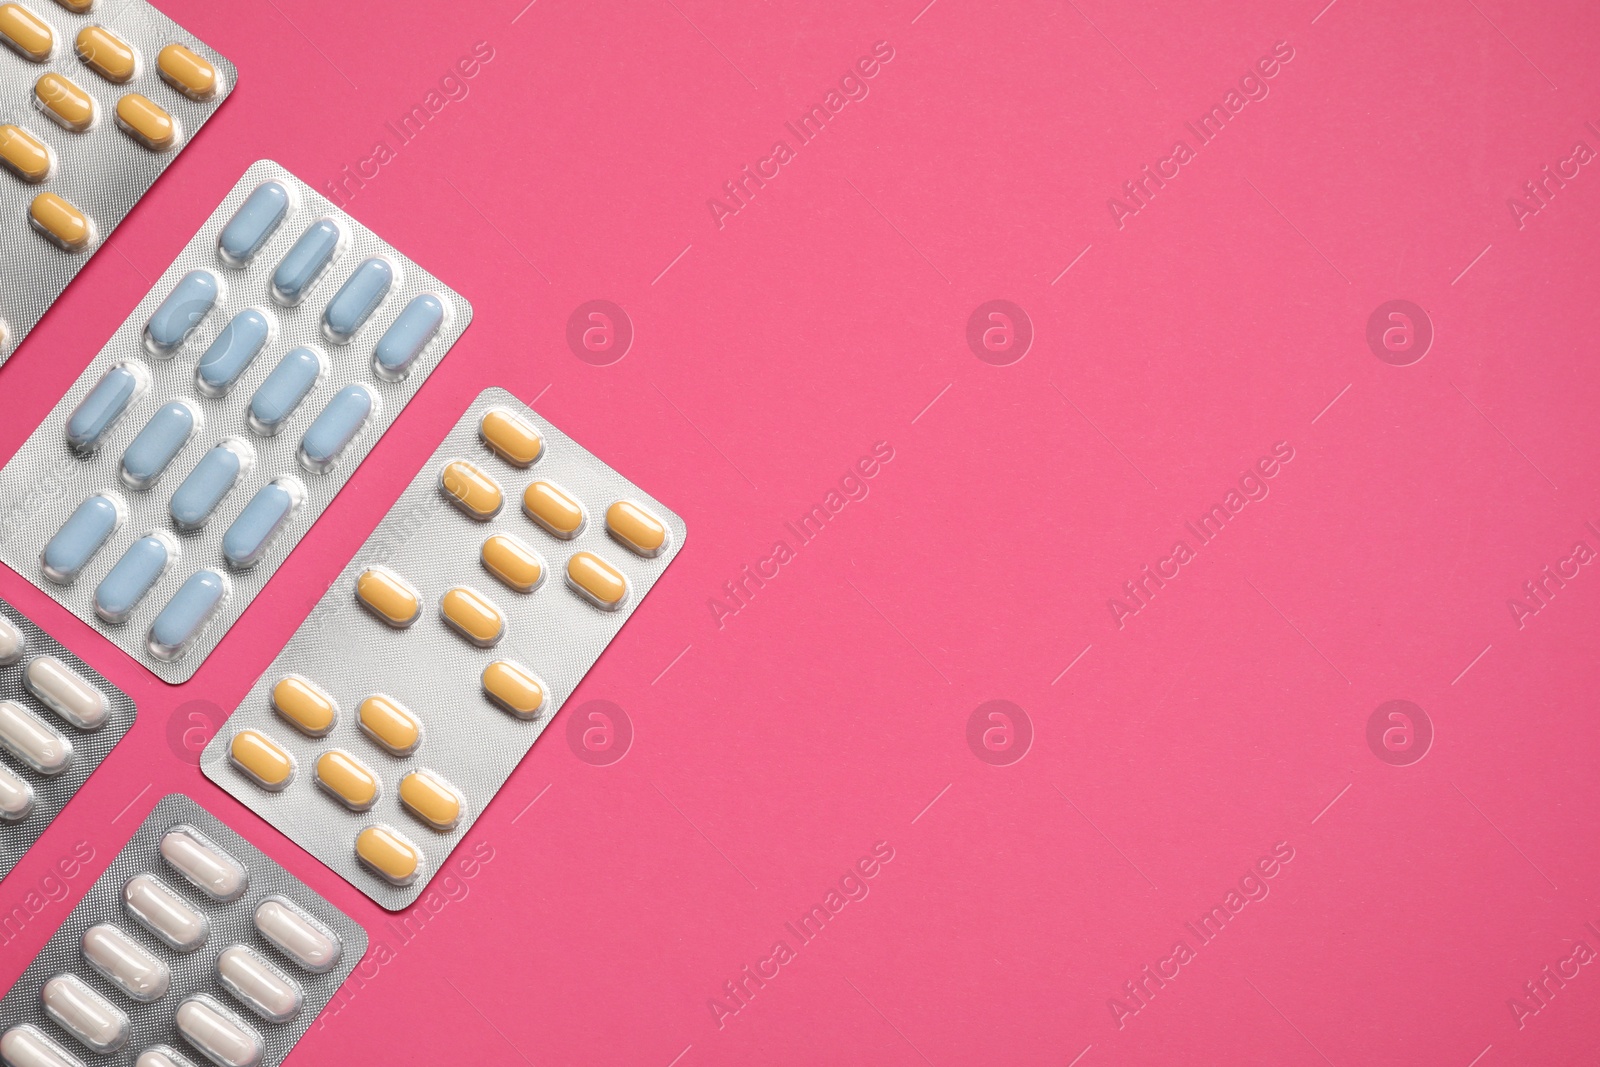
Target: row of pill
(115,60)
(144,978)
(27,736)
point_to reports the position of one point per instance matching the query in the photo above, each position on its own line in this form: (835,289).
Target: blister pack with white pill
(193,948)
(104,95)
(221,419)
(430,666)
(58,721)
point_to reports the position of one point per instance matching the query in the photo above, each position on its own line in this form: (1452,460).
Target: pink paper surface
(1148,760)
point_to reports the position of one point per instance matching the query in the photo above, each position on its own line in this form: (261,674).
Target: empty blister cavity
(261,760)
(154,906)
(134,575)
(390,724)
(66,692)
(32,740)
(218,1034)
(311,711)
(261,521)
(388,596)
(125,963)
(26,1046)
(100,1025)
(182,312)
(298,935)
(204,865)
(408,337)
(80,537)
(358,298)
(102,406)
(347,780)
(16,796)
(212,479)
(231,352)
(277,398)
(158,444)
(338,424)
(388,854)
(307,261)
(186,614)
(12,643)
(253,224)
(258,984)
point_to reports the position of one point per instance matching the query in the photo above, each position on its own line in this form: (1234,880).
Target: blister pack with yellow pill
(103,95)
(221,419)
(193,948)
(430,666)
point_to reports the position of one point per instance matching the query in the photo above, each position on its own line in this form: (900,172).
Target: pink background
(774,751)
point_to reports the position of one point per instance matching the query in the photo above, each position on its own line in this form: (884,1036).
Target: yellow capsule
(187,72)
(471,615)
(513,687)
(513,562)
(27,34)
(107,54)
(343,776)
(636,528)
(60,222)
(67,105)
(512,439)
(388,596)
(77,7)
(146,122)
(553,508)
(471,490)
(391,724)
(389,855)
(24,154)
(597,581)
(261,759)
(304,705)
(430,799)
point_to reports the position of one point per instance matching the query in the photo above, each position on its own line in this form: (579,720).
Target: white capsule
(25,1046)
(125,963)
(85,1014)
(16,796)
(258,985)
(165,914)
(208,868)
(297,935)
(160,1056)
(66,693)
(32,740)
(12,642)
(220,1035)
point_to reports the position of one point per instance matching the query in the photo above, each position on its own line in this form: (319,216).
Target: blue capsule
(162,438)
(253,225)
(235,348)
(186,614)
(261,521)
(296,374)
(140,567)
(80,537)
(407,336)
(336,427)
(190,301)
(357,299)
(102,406)
(307,261)
(212,479)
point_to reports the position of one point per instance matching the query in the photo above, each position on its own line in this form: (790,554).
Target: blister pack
(193,946)
(221,419)
(59,720)
(103,96)
(430,666)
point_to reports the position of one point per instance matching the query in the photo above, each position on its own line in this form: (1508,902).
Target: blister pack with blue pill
(58,721)
(221,418)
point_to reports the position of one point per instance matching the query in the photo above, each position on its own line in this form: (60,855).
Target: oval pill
(86,1015)
(77,7)
(218,1034)
(511,436)
(16,796)
(253,225)
(388,854)
(357,299)
(106,54)
(261,521)
(513,562)
(64,103)
(24,154)
(597,581)
(25,1046)
(407,337)
(343,776)
(140,567)
(205,866)
(187,72)
(165,914)
(473,616)
(636,528)
(61,224)
(190,301)
(160,1056)
(258,985)
(102,406)
(553,508)
(391,724)
(428,798)
(389,596)
(261,759)
(471,490)
(514,688)
(303,704)
(80,537)
(25,33)
(307,261)
(333,430)
(297,935)
(162,438)
(212,479)
(186,614)
(231,352)
(66,692)
(276,398)
(12,643)
(146,122)
(32,740)
(125,963)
